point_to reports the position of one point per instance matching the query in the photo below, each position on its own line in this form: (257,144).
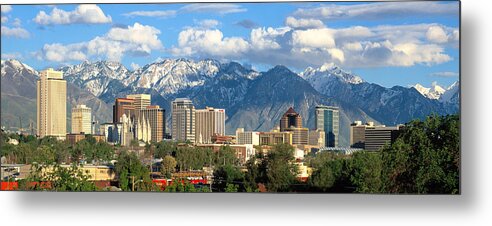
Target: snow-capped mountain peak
(329,71)
(437,92)
(15,67)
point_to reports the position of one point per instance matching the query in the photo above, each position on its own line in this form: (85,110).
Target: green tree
(366,175)
(228,175)
(277,169)
(168,166)
(57,178)
(425,158)
(132,174)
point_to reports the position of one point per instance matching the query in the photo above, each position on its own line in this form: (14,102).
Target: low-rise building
(243,151)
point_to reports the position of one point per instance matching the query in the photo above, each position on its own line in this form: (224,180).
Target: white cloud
(209,43)
(62,53)
(4,19)
(134,66)
(265,38)
(313,38)
(139,40)
(358,46)
(208,23)
(15,32)
(356,32)
(157,13)
(17,22)
(375,11)
(436,34)
(83,14)
(445,74)
(337,54)
(6,8)
(353,46)
(219,8)
(303,23)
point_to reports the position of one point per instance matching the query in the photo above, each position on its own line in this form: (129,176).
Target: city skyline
(426,49)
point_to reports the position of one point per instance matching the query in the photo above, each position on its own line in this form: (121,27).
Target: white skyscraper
(209,121)
(183,120)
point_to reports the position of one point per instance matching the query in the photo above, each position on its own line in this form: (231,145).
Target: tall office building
(81,119)
(290,119)
(327,120)
(130,106)
(51,104)
(183,120)
(140,101)
(209,122)
(156,117)
(123,106)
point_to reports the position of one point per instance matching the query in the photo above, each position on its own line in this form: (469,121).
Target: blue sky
(388,43)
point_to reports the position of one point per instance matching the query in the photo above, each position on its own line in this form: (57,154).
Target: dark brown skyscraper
(123,106)
(290,119)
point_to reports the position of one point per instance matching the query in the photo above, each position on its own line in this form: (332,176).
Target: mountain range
(252,99)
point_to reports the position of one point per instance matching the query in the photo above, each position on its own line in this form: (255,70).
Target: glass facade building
(328,120)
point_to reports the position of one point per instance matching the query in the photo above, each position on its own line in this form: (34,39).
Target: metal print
(296,97)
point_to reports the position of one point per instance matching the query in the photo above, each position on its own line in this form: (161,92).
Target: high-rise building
(327,120)
(140,101)
(123,106)
(51,104)
(209,122)
(183,120)
(81,119)
(290,119)
(247,137)
(156,117)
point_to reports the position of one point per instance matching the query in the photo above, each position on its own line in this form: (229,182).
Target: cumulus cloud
(15,32)
(157,13)
(209,42)
(4,19)
(383,10)
(249,24)
(436,34)
(137,40)
(83,14)
(265,38)
(6,8)
(219,8)
(314,38)
(445,74)
(303,23)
